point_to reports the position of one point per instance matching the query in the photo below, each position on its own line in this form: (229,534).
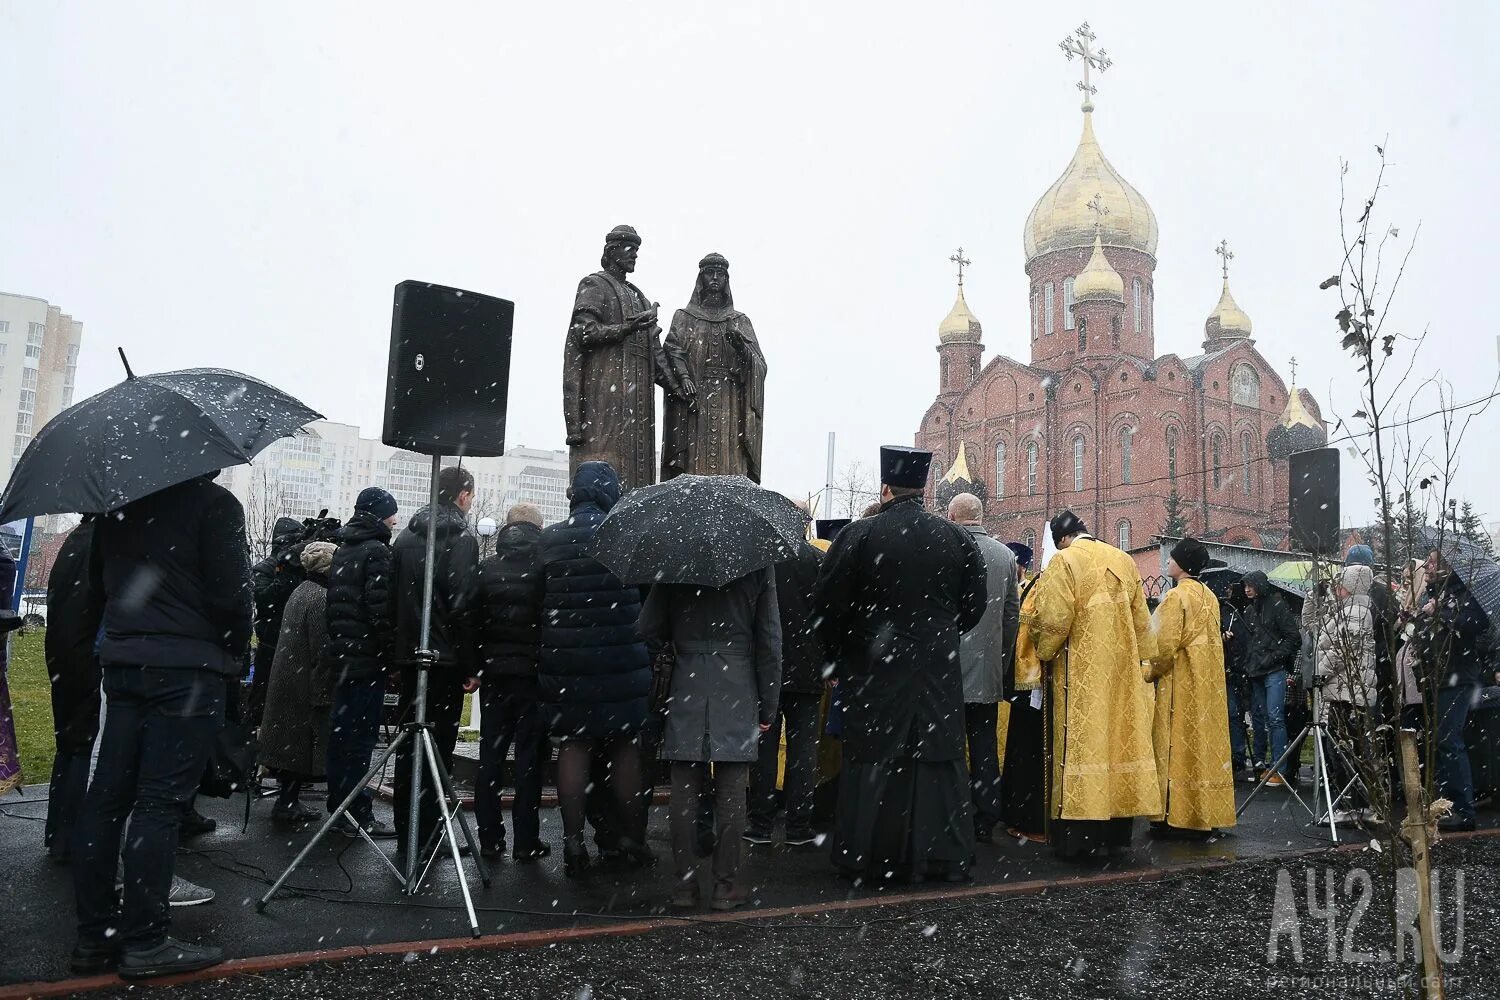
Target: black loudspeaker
(1313,506)
(449,374)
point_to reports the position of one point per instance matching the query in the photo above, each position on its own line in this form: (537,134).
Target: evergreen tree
(1472,529)
(1176,525)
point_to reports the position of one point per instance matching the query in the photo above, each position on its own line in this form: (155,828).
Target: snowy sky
(241,185)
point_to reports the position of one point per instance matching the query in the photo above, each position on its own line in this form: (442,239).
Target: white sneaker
(185,893)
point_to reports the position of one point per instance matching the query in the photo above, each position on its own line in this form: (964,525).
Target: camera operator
(456,667)
(174,573)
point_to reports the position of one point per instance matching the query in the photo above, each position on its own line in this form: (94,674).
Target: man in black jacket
(802,684)
(360,645)
(175,577)
(508,617)
(1454,628)
(275,577)
(1274,639)
(76,610)
(452,639)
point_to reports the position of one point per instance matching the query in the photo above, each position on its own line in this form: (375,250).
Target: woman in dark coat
(723,695)
(593,669)
(294,729)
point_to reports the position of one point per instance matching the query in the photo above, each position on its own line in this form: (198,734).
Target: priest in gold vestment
(1091,627)
(1191,734)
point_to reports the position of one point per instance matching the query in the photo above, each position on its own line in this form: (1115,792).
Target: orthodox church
(1135,442)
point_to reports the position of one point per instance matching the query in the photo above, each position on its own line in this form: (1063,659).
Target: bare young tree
(1360,641)
(264,504)
(854,489)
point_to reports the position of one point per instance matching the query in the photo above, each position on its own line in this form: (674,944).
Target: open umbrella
(703,530)
(1475,568)
(145,434)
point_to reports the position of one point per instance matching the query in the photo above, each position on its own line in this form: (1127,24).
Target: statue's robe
(1191,735)
(1091,627)
(720,435)
(609,382)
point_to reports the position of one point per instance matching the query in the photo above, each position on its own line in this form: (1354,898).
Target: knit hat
(1191,555)
(1360,555)
(1358,580)
(376,502)
(317,557)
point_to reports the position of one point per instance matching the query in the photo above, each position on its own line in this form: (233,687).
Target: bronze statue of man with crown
(612,363)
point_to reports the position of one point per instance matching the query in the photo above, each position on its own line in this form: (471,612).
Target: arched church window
(1135,294)
(1171,453)
(1000,471)
(1031,469)
(1245,448)
(1083,333)
(1078,464)
(1049,308)
(1114,331)
(1122,532)
(1127,453)
(1216,447)
(1028,539)
(1244,386)
(1067,303)
(945,374)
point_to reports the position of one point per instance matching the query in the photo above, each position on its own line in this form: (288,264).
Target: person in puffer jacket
(360,643)
(1345,666)
(594,670)
(507,624)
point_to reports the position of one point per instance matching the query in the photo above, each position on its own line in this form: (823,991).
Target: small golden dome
(1062,219)
(1098,282)
(1228,319)
(959,326)
(1295,414)
(959,472)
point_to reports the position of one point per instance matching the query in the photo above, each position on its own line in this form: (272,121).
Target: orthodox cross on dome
(1097,206)
(1223,251)
(1079,44)
(962,262)
(1294,370)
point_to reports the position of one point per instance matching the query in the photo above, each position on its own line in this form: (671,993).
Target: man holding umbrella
(172,569)
(896,593)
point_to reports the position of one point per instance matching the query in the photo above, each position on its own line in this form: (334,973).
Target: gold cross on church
(1079,44)
(962,262)
(1294,369)
(1223,251)
(1100,210)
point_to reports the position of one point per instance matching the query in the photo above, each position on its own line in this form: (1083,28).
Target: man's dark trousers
(158,729)
(445,702)
(980,722)
(510,712)
(801,779)
(353,727)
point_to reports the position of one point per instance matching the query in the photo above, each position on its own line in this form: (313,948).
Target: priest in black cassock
(894,595)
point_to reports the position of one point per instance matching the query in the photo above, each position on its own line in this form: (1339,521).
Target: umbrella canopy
(703,530)
(1220,580)
(145,434)
(1476,568)
(1297,575)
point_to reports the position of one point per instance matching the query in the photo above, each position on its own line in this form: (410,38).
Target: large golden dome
(1062,219)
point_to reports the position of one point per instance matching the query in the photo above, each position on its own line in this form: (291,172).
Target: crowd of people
(903,632)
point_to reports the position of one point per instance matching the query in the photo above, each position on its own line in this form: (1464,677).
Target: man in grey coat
(986,654)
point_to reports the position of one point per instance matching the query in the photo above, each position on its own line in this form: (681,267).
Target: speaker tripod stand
(424,756)
(1317,730)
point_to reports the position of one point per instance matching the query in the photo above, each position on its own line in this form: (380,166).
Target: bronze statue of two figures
(710,367)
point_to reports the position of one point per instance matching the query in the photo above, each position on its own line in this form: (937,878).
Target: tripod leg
(338,814)
(451,798)
(1321,763)
(434,764)
(1275,768)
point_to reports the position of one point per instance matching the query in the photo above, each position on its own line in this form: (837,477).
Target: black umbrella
(703,530)
(145,434)
(1475,568)
(1220,580)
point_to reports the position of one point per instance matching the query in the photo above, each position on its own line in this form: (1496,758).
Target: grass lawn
(31,700)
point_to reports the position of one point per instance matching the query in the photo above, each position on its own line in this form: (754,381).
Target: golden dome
(1098,282)
(1295,414)
(1062,219)
(1228,319)
(959,326)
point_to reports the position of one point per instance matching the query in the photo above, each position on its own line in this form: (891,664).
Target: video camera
(321,528)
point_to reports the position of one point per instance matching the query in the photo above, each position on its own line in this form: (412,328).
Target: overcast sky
(241,185)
